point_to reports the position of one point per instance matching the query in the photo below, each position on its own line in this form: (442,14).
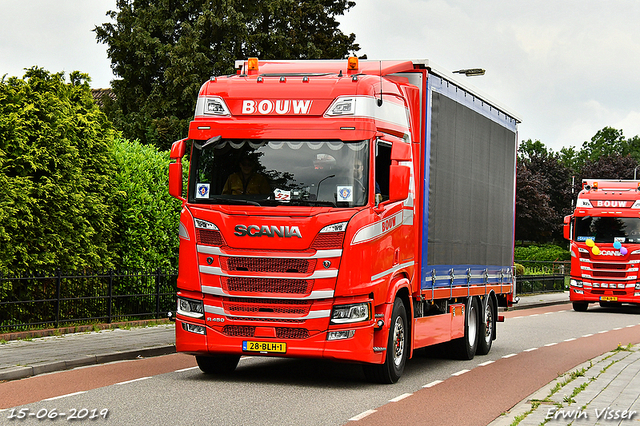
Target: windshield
(608,229)
(258,172)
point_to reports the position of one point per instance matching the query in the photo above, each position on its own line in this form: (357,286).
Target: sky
(567,68)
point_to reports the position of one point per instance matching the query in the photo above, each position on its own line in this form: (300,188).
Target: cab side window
(383,163)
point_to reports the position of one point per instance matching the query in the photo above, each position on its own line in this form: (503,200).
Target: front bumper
(590,294)
(358,348)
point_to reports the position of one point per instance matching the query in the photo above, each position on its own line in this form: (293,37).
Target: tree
(543,170)
(163,51)
(536,220)
(614,166)
(55,174)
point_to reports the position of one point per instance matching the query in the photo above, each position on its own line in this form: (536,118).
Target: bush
(55,174)
(545,252)
(146,215)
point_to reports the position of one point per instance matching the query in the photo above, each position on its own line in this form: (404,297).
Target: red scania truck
(343,209)
(604,237)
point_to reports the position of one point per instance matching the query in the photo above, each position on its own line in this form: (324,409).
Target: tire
(486,330)
(465,347)
(217,364)
(397,349)
(580,306)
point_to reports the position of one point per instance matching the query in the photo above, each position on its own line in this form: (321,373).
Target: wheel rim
(398,341)
(473,325)
(488,327)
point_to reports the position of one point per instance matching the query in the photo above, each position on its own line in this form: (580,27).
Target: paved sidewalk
(602,391)
(24,358)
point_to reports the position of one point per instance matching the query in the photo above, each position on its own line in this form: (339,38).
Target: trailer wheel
(487,327)
(465,347)
(217,364)
(397,349)
(580,306)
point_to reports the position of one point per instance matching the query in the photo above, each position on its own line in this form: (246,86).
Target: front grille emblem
(326,264)
(209,260)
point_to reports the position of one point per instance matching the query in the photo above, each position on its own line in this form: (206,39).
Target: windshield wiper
(311,203)
(234,201)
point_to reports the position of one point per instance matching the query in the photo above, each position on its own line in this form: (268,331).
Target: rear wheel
(217,364)
(487,328)
(580,306)
(397,348)
(465,347)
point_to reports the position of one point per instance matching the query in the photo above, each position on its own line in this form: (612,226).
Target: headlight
(336,227)
(576,283)
(190,308)
(343,314)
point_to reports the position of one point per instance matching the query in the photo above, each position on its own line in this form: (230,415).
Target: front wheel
(397,349)
(580,306)
(217,364)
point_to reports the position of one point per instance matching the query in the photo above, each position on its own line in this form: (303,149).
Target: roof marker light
(252,64)
(352,63)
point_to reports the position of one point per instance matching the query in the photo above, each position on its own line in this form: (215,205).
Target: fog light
(636,294)
(340,335)
(578,291)
(192,328)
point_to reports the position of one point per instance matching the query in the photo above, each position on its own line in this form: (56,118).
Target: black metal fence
(54,299)
(542,276)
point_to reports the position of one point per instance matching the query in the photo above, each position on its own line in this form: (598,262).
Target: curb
(15,373)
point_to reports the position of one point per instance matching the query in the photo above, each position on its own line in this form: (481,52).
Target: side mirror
(400,151)
(177,149)
(566,229)
(175,169)
(398,182)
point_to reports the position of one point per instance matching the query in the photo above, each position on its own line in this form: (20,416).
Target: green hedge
(146,215)
(545,252)
(56,174)
(73,194)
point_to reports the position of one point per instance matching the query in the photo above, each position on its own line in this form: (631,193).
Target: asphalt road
(532,348)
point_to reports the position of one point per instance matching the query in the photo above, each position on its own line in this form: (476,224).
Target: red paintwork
(608,199)
(361,262)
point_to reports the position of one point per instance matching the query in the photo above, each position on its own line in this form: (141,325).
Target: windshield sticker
(618,240)
(584,238)
(345,193)
(202,190)
(282,195)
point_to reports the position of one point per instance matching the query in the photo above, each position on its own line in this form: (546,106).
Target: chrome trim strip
(311,315)
(320,254)
(315,295)
(392,270)
(318,274)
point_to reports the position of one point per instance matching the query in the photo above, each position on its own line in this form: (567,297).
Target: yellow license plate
(264,347)
(609,298)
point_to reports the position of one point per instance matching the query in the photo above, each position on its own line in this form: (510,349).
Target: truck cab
(604,238)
